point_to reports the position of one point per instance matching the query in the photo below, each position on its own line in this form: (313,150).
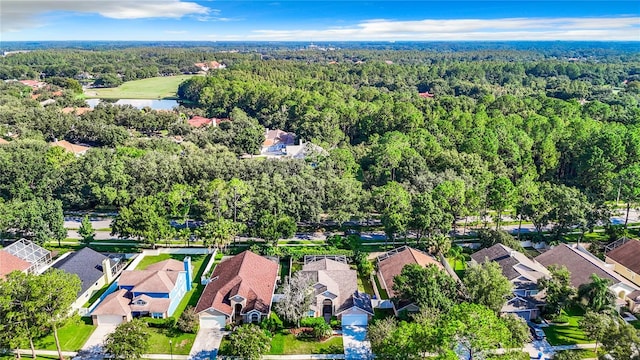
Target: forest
(418,138)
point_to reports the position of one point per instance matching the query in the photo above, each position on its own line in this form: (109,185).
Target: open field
(163,87)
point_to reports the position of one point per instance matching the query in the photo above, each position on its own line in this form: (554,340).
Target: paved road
(206,344)
(356,345)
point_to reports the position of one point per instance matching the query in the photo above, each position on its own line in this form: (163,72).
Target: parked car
(537,333)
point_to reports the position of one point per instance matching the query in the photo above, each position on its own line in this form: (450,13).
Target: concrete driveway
(206,344)
(356,345)
(97,338)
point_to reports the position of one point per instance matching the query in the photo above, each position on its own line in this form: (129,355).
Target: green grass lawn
(284,268)
(159,341)
(364,285)
(635,323)
(570,333)
(72,336)
(287,344)
(383,293)
(459,267)
(162,87)
(96,295)
(585,353)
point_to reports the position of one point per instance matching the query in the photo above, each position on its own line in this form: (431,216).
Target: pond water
(139,103)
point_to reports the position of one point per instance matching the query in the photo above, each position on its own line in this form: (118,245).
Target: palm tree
(596,295)
(455,253)
(440,244)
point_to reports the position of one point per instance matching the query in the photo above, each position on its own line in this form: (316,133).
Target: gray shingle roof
(86,263)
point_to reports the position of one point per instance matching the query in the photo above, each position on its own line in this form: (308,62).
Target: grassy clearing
(635,324)
(159,341)
(284,268)
(97,295)
(364,285)
(72,336)
(458,266)
(383,293)
(287,344)
(570,333)
(163,87)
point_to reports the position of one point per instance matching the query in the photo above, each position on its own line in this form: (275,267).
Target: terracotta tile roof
(246,274)
(77,111)
(157,305)
(74,148)
(149,280)
(627,255)
(167,265)
(199,121)
(278,136)
(577,263)
(116,303)
(392,266)
(10,263)
(3,141)
(425,95)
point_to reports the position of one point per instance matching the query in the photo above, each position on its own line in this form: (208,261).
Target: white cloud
(609,28)
(22,14)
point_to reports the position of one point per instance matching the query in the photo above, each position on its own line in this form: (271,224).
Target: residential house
(155,291)
(211,65)
(582,264)
(335,286)
(3,141)
(624,255)
(38,257)
(75,149)
(276,142)
(390,265)
(34,84)
(10,263)
(239,290)
(78,111)
(303,150)
(523,273)
(95,270)
(425,95)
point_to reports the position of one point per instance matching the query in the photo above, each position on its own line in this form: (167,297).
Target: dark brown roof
(247,274)
(627,255)
(578,264)
(392,266)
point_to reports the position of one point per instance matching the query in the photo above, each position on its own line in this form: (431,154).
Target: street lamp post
(171,348)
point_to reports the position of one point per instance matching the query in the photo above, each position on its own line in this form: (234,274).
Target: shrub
(561,319)
(272,323)
(320,327)
(335,323)
(188,321)
(167,323)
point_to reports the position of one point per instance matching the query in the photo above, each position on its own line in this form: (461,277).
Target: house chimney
(187,268)
(106,269)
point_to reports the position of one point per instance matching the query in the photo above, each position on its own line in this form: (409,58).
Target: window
(255,318)
(156,315)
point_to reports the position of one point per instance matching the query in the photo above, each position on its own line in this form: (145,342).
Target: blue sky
(285,20)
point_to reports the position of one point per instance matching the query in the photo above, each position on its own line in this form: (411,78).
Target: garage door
(354,319)
(212,322)
(109,319)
